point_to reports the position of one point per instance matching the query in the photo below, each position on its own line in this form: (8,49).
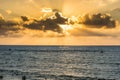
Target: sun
(66,28)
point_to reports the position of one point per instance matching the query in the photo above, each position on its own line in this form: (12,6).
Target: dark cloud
(99,20)
(1,21)
(7,26)
(33,25)
(46,24)
(49,23)
(24,18)
(7,23)
(52,23)
(59,19)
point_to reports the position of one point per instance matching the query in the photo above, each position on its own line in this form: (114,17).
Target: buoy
(1,77)
(101,51)
(24,78)
(10,49)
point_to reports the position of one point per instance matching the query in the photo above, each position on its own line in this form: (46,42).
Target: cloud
(8,14)
(2,21)
(7,26)
(45,24)
(51,26)
(24,18)
(1,17)
(46,10)
(9,11)
(86,32)
(98,20)
(48,24)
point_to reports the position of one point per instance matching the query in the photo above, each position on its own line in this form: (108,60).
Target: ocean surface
(60,62)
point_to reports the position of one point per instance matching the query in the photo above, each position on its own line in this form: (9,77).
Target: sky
(33,7)
(59,22)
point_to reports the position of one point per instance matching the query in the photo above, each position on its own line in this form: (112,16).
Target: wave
(69,77)
(60,50)
(38,76)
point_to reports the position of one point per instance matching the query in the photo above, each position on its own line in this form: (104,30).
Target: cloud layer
(99,20)
(51,25)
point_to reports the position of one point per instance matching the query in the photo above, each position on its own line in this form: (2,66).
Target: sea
(21,62)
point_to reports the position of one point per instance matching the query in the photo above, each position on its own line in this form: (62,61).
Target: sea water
(59,62)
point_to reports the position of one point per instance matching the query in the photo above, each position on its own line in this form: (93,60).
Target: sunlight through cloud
(46,10)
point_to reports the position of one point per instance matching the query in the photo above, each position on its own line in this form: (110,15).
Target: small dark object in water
(1,77)
(10,49)
(101,79)
(101,51)
(23,77)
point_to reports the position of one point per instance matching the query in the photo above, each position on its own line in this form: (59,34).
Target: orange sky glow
(59,22)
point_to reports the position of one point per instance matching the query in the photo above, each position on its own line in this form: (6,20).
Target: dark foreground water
(60,62)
